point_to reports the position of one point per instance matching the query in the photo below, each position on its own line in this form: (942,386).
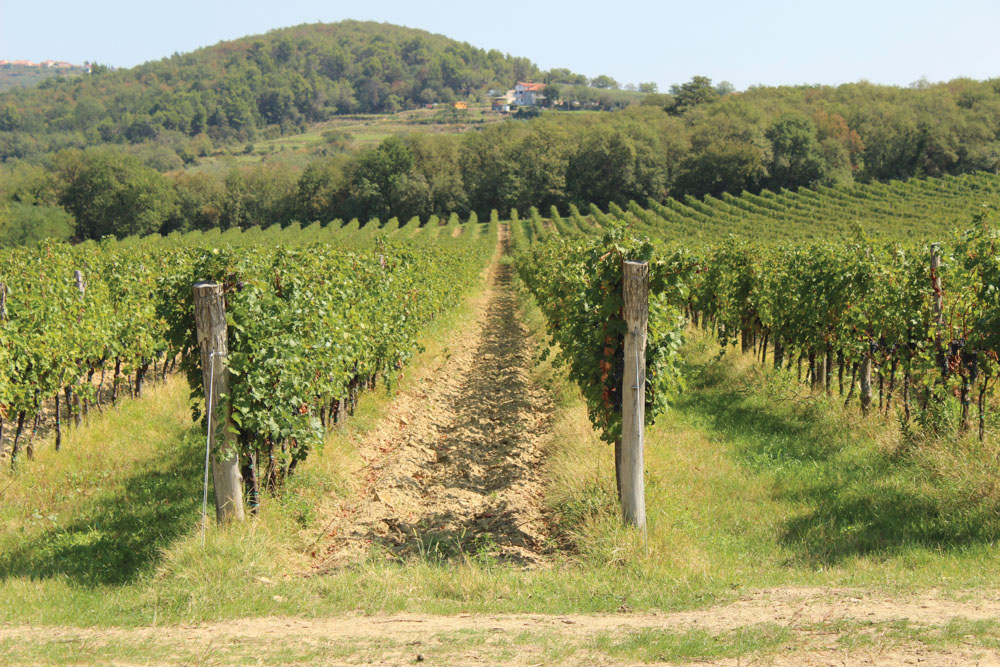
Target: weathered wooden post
(818,363)
(635,288)
(829,367)
(72,399)
(779,353)
(866,382)
(938,308)
(210,319)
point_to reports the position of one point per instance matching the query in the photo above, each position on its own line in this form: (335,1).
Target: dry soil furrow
(453,471)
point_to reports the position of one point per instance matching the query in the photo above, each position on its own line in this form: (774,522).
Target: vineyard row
(310,326)
(916,323)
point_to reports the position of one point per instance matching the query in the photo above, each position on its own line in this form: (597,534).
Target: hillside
(274,83)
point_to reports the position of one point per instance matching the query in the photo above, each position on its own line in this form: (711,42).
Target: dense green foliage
(313,326)
(56,336)
(25,224)
(111,194)
(578,286)
(311,323)
(865,311)
(867,308)
(762,138)
(641,155)
(919,209)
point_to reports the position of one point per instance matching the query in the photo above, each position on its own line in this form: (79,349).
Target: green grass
(837,495)
(96,515)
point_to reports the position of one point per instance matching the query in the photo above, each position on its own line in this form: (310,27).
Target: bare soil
(453,471)
(815,616)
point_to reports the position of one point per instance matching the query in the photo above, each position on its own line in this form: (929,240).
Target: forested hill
(231,91)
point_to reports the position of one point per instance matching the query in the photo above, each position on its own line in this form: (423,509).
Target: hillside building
(528,94)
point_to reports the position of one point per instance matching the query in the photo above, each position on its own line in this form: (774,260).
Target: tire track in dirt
(453,471)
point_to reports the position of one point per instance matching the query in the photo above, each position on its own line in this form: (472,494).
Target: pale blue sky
(767,42)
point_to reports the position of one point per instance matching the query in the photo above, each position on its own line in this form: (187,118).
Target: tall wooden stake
(635,287)
(210,318)
(938,308)
(71,396)
(866,383)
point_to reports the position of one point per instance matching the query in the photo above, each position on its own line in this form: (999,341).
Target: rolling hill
(274,83)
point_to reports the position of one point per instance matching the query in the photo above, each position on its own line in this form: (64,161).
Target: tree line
(697,140)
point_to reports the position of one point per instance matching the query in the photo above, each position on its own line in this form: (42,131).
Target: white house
(528,94)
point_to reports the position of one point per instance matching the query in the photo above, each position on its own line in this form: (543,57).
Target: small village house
(528,94)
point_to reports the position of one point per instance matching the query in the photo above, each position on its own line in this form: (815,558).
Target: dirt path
(824,626)
(453,470)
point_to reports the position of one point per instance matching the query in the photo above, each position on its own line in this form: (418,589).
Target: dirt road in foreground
(824,627)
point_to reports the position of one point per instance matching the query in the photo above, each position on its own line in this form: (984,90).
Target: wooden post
(936,282)
(829,367)
(114,382)
(72,398)
(210,318)
(840,371)
(818,364)
(58,424)
(866,383)
(635,288)
(938,308)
